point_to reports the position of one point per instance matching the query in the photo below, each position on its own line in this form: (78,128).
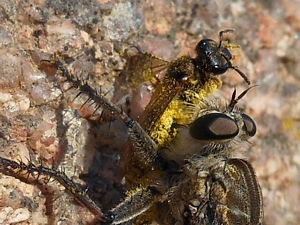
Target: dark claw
(109,217)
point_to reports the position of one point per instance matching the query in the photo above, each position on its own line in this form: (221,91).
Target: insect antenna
(241,74)
(221,35)
(230,66)
(228,61)
(234,100)
(246,79)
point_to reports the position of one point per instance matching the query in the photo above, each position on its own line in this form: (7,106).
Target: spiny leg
(147,146)
(144,148)
(144,145)
(33,172)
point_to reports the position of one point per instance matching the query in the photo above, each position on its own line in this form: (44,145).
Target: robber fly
(203,185)
(207,187)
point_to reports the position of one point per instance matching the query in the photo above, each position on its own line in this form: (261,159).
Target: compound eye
(226,54)
(205,47)
(214,127)
(249,125)
(217,69)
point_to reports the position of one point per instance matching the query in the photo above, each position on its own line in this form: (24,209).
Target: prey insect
(203,185)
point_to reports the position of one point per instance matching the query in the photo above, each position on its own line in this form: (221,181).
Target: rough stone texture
(38,121)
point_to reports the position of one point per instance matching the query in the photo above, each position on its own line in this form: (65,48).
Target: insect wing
(163,95)
(142,66)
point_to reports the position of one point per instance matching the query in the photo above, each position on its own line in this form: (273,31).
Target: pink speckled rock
(38,120)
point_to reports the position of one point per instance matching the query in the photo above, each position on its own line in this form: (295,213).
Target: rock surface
(38,121)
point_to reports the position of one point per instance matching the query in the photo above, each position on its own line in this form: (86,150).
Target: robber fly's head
(217,129)
(226,125)
(215,58)
(221,126)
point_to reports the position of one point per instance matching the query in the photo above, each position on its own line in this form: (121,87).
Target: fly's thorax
(195,190)
(182,70)
(226,187)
